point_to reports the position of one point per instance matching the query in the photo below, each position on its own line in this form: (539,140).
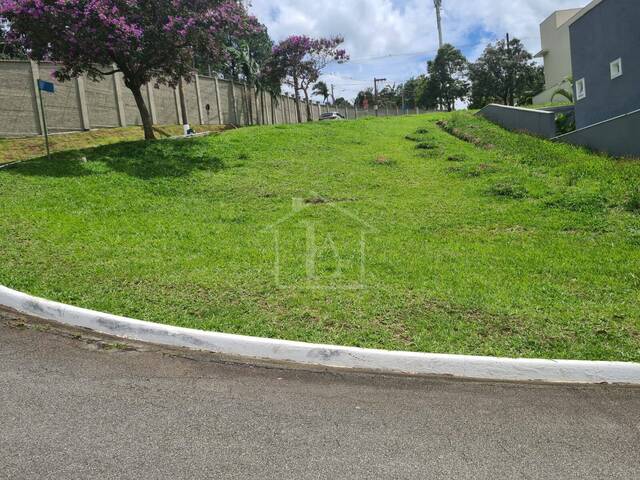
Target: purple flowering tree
(301,59)
(145,40)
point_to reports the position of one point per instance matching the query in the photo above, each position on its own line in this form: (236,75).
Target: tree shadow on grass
(139,159)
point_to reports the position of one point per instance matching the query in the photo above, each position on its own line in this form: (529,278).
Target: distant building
(605,59)
(556,53)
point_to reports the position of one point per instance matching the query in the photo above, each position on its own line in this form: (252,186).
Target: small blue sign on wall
(46,86)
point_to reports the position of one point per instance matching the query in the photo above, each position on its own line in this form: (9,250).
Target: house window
(616,68)
(581,89)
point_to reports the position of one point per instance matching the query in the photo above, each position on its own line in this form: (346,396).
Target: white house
(556,52)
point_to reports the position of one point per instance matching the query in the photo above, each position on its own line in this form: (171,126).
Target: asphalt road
(78,406)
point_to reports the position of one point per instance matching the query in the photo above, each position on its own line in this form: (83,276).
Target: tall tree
(145,40)
(301,59)
(409,92)
(342,103)
(322,90)
(447,72)
(505,74)
(258,45)
(427,93)
(365,98)
(256,71)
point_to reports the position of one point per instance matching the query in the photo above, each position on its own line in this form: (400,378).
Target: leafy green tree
(258,43)
(321,90)
(447,73)
(409,91)
(365,97)
(427,94)
(256,71)
(341,102)
(390,96)
(505,74)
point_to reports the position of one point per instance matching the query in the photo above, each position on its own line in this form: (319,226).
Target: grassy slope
(15,149)
(521,247)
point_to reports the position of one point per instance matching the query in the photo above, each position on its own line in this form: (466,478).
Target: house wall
(617,136)
(609,30)
(555,40)
(547,96)
(556,51)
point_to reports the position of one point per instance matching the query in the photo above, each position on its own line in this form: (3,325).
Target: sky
(393,39)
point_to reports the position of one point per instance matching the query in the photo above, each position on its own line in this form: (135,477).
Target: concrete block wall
(102,105)
(83,104)
(18,102)
(166,108)
(63,110)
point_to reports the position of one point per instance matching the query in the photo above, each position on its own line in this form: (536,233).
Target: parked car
(331,116)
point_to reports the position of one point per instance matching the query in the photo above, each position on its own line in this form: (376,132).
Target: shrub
(565,123)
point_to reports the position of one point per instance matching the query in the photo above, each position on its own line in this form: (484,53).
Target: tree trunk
(248,99)
(147,122)
(273,109)
(306,99)
(183,104)
(296,86)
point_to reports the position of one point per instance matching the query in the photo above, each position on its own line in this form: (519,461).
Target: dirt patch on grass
(318,200)
(382,160)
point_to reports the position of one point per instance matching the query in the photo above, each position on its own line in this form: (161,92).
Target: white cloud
(375,28)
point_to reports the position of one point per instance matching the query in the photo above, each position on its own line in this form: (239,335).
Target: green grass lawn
(17,149)
(396,233)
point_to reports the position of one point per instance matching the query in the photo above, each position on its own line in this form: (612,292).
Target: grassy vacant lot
(15,149)
(406,234)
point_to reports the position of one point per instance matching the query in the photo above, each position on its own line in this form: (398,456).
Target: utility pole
(509,73)
(333,97)
(375,92)
(438,5)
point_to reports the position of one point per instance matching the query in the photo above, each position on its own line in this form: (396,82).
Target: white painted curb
(461,366)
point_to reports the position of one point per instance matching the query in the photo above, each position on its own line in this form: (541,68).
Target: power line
(432,51)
